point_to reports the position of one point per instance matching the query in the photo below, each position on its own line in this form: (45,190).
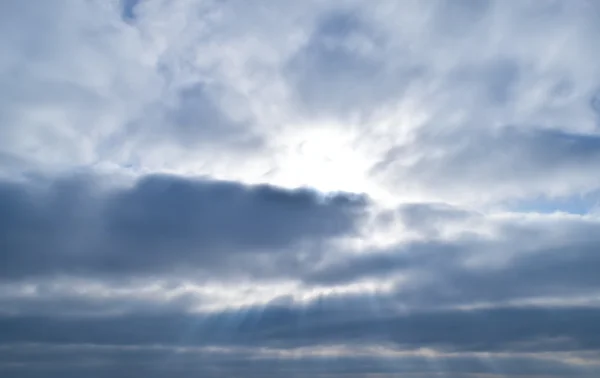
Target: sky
(315,188)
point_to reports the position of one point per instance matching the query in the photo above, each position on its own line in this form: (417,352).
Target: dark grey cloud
(128,9)
(327,322)
(513,340)
(97,297)
(97,361)
(163,224)
(565,272)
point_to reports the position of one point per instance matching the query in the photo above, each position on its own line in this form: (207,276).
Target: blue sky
(210,188)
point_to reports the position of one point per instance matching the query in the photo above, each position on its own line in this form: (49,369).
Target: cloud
(75,75)
(512,162)
(342,68)
(161,361)
(160,225)
(328,322)
(465,258)
(350,188)
(128,9)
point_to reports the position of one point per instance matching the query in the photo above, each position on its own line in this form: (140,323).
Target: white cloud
(258,93)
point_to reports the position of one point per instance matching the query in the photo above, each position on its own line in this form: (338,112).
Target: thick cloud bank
(161,225)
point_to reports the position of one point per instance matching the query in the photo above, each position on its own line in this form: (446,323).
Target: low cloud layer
(162,225)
